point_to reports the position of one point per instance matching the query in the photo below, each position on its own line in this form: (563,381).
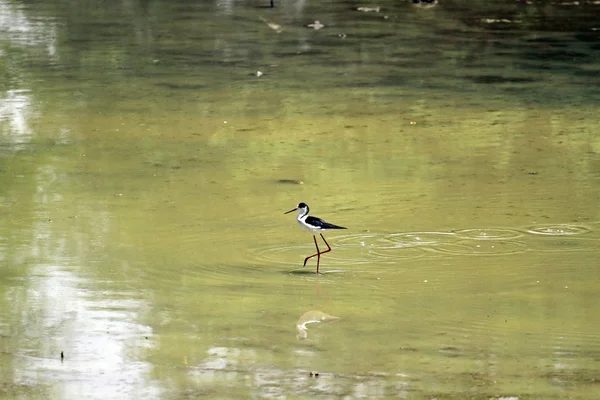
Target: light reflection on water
(94,331)
(15,107)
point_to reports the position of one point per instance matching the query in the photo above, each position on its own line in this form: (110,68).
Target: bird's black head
(300,206)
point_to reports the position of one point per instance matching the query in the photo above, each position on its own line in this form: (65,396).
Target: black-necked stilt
(314,225)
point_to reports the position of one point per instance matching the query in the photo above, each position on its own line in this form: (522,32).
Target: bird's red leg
(318,254)
(322,252)
(328,248)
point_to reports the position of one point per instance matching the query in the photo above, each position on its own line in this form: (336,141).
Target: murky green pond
(149,150)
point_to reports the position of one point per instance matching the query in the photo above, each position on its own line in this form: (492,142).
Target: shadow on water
(313,273)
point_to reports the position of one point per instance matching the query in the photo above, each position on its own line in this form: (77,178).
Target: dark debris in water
(496,79)
(290,181)
(409,349)
(450,351)
(181,86)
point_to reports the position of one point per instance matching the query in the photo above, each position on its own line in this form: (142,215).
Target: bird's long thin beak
(291,210)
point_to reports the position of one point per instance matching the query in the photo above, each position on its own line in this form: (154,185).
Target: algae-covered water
(149,150)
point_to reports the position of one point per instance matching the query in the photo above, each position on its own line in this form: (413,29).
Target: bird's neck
(302,215)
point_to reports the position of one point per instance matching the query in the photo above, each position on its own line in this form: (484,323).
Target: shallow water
(145,169)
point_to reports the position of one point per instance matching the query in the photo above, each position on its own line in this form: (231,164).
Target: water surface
(145,168)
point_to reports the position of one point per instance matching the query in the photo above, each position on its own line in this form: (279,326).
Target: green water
(145,170)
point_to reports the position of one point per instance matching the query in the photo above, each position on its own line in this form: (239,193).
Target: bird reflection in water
(310,317)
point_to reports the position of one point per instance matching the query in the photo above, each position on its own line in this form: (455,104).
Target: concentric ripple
(489,234)
(364,240)
(347,250)
(481,248)
(381,248)
(558,230)
(419,239)
(294,255)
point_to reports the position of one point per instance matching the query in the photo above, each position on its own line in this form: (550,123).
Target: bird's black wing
(314,221)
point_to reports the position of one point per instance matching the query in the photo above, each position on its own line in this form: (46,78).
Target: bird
(314,225)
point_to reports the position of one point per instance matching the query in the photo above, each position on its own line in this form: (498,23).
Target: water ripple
(419,239)
(558,230)
(389,248)
(364,240)
(382,248)
(481,248)
(294,255)
(489,234)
